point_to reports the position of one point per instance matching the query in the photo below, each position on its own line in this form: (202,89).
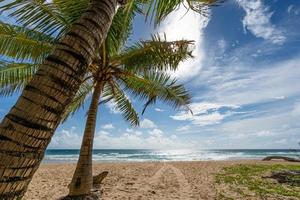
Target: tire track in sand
(168,177)
(185,190)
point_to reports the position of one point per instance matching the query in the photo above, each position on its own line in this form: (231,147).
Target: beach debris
(268,158)
(291,177)
(97,180)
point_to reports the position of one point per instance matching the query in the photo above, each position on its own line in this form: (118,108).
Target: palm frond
(78,102)
(120,30)
(40,15)
(153,86)
(14,76)
(158,10)
(122,103)
(71,10)
(122,26)
(155,54)
(23,44)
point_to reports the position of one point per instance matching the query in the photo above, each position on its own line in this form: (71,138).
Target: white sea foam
(164,155)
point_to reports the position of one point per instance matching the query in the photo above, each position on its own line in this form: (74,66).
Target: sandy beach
(151,180)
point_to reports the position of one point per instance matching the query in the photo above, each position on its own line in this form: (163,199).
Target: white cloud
(147,123)
(107,126)
(296,110)
(130,139)
(183,24)
(264,134)
(290,8)
(134,131)
(103,133)
(183,129)
(281,141)
(129,130)
(154,140)
(240,86)
(258,21)
(222,45)
(112,107)
(159,110)
(69,139)
(293,10)
(156,132)
(174,137)
(275,124)
(279,97)
(204,113)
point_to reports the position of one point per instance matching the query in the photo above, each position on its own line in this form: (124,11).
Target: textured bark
(27,129)
(82,181)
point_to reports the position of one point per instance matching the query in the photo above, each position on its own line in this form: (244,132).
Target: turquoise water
(141,155)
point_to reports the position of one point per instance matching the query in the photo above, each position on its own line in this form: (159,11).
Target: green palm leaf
(71,10)
(156,85)
(155,54)
(14,76)
(123,104)
(122,26)
(119,31)
(78,102)
(158,10)
(24,44)
(41,15)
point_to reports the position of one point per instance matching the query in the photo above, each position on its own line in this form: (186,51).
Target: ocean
(143,155)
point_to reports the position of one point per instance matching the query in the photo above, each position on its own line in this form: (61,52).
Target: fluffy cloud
(296,110)
(281,141)
(238,85)
(183,129)
(129,139)
(147,123)
(188,25)
(155,139)
(258,21)
(107,126)
(112,107)
(159,110)
(264,134)
(204,113)
(69,139)
(103,133)
(156,132)
(290,8)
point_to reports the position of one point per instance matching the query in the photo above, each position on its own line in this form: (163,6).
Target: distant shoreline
(62,162)
(147,155)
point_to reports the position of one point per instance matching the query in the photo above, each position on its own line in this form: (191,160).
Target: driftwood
(95,193)
(97,180)
(289,177)
(268,158)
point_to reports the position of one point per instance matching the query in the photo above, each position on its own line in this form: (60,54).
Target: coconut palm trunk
(26,130)
(82,181)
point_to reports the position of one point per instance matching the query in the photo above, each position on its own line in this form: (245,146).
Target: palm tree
(137,68)
(26,130)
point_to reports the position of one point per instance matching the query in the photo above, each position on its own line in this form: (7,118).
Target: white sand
(154,180)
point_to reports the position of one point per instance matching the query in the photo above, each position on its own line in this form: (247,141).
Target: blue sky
(244,80)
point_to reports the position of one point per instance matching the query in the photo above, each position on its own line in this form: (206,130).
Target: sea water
(143,155)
